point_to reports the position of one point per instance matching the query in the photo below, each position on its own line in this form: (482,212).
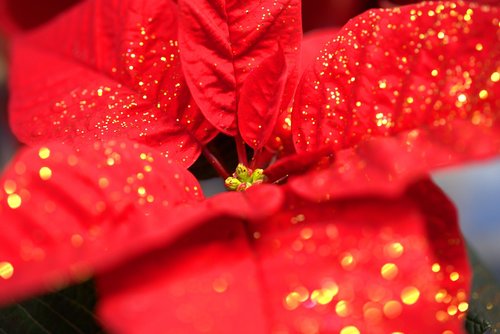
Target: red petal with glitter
(314,42)
(260,99)
(110,70)
(67,214)
(388,71)
(224,40)
(371,264)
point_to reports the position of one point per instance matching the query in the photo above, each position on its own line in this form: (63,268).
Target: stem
(241,149)
(216,164)
(262,158)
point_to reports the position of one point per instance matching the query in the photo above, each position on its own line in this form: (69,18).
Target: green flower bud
(232,183)
(242,173)
(258,176)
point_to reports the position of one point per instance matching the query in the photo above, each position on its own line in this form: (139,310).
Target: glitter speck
(6,270)
(495,76)
(44,153)
(462,98)
(350,330)
(394,250)
(392,309)
(14,201)
(454,276)
(45,173)
(410,295)
(389,271)
(9,187)
(220,285)
(483,94)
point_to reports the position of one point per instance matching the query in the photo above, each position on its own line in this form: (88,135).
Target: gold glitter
(14,201)
(394,250)
(220,285)
(452,310)
(292,300)
(141,191)
(436,267)
(110,161)
(382,84)
(441,316)
(350,330)
(325,295)
(306,233)
(392,309)
(454,276)
(103,182)
(348,262)
(45,173)
(462,98)
(410,295)
(9,187)
(434,73)
(495,76)
(342,308)
(463,306)
(440,295)
(43,153)
(6,270)
(483,94)
(389,271)
(479,47)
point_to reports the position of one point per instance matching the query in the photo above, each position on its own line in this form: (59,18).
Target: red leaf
(222,41)
(387,165)
(67,214)
(260,99)
(111,69)
(396,70)
(379,265)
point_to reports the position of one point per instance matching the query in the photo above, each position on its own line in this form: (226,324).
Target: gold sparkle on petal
(410,295)
(392,309)
(342,308)
(350,330)
(436,267)
(9,187)
(394,250)
(6,270)
(454,276)
(44,153)
(14,201)
(103,182)
(463,306)
(483,94)
(220,285)
(45,173)
(389,271)
(495,76)
(462,98)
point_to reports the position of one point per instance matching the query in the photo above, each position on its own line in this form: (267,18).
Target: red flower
(356,240)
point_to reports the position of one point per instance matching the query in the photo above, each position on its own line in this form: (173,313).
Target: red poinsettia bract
(357,240)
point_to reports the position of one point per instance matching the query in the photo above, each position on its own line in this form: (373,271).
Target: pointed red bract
(111,69)
(224,40)
(68,214)
(379,265)
(395,70)
(260,99)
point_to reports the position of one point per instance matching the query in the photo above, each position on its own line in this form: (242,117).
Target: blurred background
(475,189)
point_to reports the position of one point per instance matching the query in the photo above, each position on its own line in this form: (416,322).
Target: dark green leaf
(484,306)
(66,311)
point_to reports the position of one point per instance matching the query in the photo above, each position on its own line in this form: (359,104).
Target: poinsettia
(353,239)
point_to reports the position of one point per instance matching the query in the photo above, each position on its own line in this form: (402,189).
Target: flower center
(243,178)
